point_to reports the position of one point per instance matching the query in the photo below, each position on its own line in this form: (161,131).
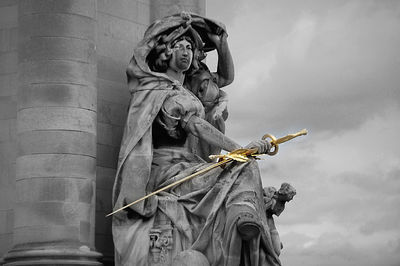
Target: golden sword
(240,155)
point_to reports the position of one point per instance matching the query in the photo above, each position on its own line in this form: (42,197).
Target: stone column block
(56,134)
(162,8)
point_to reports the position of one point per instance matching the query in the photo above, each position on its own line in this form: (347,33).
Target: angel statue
(175,121)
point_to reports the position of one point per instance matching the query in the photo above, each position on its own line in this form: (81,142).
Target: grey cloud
(385,221)
(376,183)
(397,248)
(348,74)
(325,250)
(350,200)
(294,240)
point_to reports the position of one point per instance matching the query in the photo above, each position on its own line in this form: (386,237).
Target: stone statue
(175,120)
(275,204)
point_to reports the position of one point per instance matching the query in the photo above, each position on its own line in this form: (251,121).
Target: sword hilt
(275,142)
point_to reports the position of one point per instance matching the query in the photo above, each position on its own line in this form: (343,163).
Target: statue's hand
(217,39)
(262,145)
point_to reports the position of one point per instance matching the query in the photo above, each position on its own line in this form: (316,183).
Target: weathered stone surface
(56,24)
(6,241)
(66,95)
(64,189)
(104,135)
(77,7)
(108,134)
(118,50)
(7,174)
(6,221)
(8,39)
(104,224)
(8,3)
(11,172)
(57,142)
(144,13)
(57,48)
(45,233)
(7,152)
(111,70)
(6,197)
(125,9)
(55,165)
(84,231)
(58,71)
(86,192)
(103,202)
(116,28)
(103,243)
(8,107)
(5,130)
(162,8)
(107,156)
(55,253)
(56,118)
(8,84)
(111,91)
(8,62)
(117,136)
(105,178)
(8,16)
(46,214)
(190,257)
(112,113)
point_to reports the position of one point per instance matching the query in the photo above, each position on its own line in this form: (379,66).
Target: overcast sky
(332,67)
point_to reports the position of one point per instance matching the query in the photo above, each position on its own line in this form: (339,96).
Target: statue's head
(275,200)
(180,49)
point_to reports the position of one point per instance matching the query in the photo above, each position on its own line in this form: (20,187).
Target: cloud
(381,221)
(339,65)
(295,45)
(331,249)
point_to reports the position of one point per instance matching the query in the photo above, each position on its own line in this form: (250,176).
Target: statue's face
(182,56)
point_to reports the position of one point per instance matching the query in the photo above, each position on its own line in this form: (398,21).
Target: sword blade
(223,162)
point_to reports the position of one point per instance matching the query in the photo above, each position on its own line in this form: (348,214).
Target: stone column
(162,8)
(56,134)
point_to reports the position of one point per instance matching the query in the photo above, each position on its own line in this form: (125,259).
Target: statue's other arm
(225,70)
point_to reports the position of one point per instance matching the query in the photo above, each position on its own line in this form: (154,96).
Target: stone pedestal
(56,134)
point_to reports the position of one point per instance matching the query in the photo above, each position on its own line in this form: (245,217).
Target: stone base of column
(52,256)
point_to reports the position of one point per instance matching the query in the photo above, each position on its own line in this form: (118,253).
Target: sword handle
(275,142)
